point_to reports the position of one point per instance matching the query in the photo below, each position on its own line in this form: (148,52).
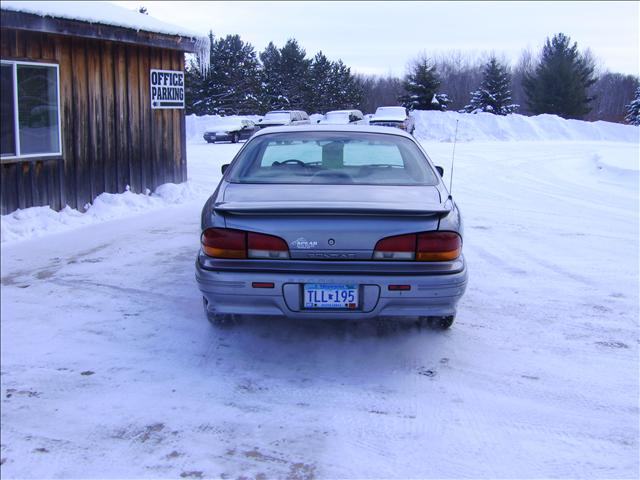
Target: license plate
(330,296)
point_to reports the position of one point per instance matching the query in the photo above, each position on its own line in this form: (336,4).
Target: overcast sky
(382,37)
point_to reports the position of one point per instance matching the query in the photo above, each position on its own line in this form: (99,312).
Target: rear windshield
(332,158)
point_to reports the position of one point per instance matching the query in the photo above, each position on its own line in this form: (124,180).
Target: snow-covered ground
(109,368)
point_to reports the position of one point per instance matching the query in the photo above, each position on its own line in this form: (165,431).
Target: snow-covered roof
(101,13)
(338,128)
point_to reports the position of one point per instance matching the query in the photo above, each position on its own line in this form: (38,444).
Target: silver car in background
(397,117)
(280,118)
(331,222)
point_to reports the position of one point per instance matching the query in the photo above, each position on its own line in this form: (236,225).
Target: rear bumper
(215,137)
(390,124)
(230,292)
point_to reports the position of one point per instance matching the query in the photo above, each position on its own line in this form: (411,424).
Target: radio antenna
(453,157)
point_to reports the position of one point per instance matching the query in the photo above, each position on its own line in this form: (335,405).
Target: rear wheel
(439,323)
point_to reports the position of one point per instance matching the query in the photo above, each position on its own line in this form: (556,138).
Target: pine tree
(333,86)
(271,79)
(320,76)
(421,85)
(294,68)
(346,92)
(193,89)
(230,84)
(633,110)
(560,82)
(285,76)
(494,93)
(233,80)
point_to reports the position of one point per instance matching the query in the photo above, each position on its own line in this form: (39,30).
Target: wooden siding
(111,138)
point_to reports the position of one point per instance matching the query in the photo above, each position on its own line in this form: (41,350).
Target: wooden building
(78,117)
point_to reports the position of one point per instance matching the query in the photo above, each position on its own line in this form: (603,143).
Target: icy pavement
(109,368)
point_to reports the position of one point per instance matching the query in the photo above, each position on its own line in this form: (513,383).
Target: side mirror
(224,168)
(438,168)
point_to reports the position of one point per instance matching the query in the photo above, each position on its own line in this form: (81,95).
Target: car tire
(439,323)
(211,141)
(235,138)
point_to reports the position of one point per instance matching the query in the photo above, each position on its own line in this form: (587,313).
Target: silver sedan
(332,222)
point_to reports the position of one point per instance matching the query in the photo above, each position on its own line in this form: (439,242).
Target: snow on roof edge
(103,13)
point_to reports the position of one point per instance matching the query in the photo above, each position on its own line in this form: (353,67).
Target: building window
(30,110)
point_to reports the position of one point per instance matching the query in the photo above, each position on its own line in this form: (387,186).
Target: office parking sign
(167,89)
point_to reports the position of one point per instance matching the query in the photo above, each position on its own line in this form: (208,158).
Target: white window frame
(16,113)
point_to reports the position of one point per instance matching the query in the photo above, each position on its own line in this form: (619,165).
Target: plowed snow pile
(485,127)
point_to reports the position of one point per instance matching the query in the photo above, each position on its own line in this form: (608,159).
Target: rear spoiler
(329,208)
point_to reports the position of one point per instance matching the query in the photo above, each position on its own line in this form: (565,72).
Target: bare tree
(612,92)
(379,91)
(460,74)
(524,66)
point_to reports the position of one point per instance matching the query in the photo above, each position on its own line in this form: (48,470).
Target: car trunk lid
(331,222)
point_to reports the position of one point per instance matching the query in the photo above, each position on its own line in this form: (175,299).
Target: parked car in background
(397,117)
(280,118)
(331,222)
(231,131)
(343,117)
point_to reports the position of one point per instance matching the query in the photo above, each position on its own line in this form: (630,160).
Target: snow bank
(441,127)
(480,127)
(99,12)
(196,125)
(39,221)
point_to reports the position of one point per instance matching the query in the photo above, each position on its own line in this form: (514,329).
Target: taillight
(423,247)
(224,243)
(267,246)
(230,243)
(438,246)
(401,247)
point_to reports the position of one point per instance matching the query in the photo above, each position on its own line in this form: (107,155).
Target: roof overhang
(76,28)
